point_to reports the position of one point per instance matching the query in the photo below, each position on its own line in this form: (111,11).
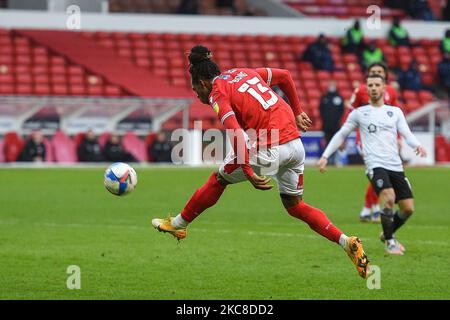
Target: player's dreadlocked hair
(201,66)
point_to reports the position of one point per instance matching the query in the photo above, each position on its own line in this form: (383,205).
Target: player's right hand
(420,151)
(303,121)
(260,183)
(322,164)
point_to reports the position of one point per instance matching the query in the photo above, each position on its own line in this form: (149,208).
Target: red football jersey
(246,95)
(361,97)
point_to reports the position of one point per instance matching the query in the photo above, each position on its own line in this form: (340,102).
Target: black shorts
(385,179)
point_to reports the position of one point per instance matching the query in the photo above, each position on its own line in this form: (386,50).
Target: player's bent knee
(221,179)
(290,201)
(407,210)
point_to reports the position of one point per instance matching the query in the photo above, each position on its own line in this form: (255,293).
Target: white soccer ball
(120,179)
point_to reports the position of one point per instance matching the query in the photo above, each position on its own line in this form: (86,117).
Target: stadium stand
(205,7)
(53,62)
(123,64)
(344,9)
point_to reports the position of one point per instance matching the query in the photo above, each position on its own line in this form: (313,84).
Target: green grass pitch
(246,247)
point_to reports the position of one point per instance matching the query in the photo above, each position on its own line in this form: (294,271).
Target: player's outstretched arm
(283,79)
(411,140)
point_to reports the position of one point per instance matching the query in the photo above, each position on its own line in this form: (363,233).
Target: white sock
(365,212)
(343,241)
(376,208)
(179,222)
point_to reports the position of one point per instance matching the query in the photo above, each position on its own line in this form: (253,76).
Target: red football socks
(316,219)
(206,196)
(371,197)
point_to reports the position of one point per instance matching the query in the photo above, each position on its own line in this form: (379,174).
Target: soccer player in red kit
(371,210)
(243,100)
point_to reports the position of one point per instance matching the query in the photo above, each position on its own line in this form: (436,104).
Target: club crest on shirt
(372,128)
(390,113)
(380,183)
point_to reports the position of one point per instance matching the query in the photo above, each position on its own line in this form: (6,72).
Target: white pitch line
(194,229)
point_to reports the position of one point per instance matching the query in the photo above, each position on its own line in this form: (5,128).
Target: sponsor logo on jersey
(225,76)
(241,75)
(372,128)
(215,107)
(390,113)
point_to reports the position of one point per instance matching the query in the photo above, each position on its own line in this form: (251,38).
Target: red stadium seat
(111,90)
(103,138)
(2,152)
(60,89)
(42,89)
(78,138)
(64,148)
(135,146)
(49,157)
(410,95)
(7,89)
(148,141)
(12,146)
(425,96)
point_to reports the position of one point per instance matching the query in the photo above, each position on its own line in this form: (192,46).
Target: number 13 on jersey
(254,85)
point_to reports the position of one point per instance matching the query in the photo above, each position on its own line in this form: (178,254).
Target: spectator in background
(89,149)
(331,111)
(114,151)
(160,149)
(371,54)
(445,43)
(446,12)
(242,8)
(398,35)
(410,79)
(188,7)
(419,9)
(444,73)
(353,41)
(34,149)
(319,55)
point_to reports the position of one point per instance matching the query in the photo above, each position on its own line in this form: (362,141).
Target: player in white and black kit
(379,124)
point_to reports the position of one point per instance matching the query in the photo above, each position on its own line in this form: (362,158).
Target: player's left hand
(420,151)
(303,121)
(260,183)
(322,164)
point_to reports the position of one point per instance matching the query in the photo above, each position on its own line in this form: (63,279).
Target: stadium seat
(425,96)
(48,151)
(148,141)
(135,146)
(2,152)
(103,138)
(78,138)
(12,145)
(64,148)
(442,150)
(40,71)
